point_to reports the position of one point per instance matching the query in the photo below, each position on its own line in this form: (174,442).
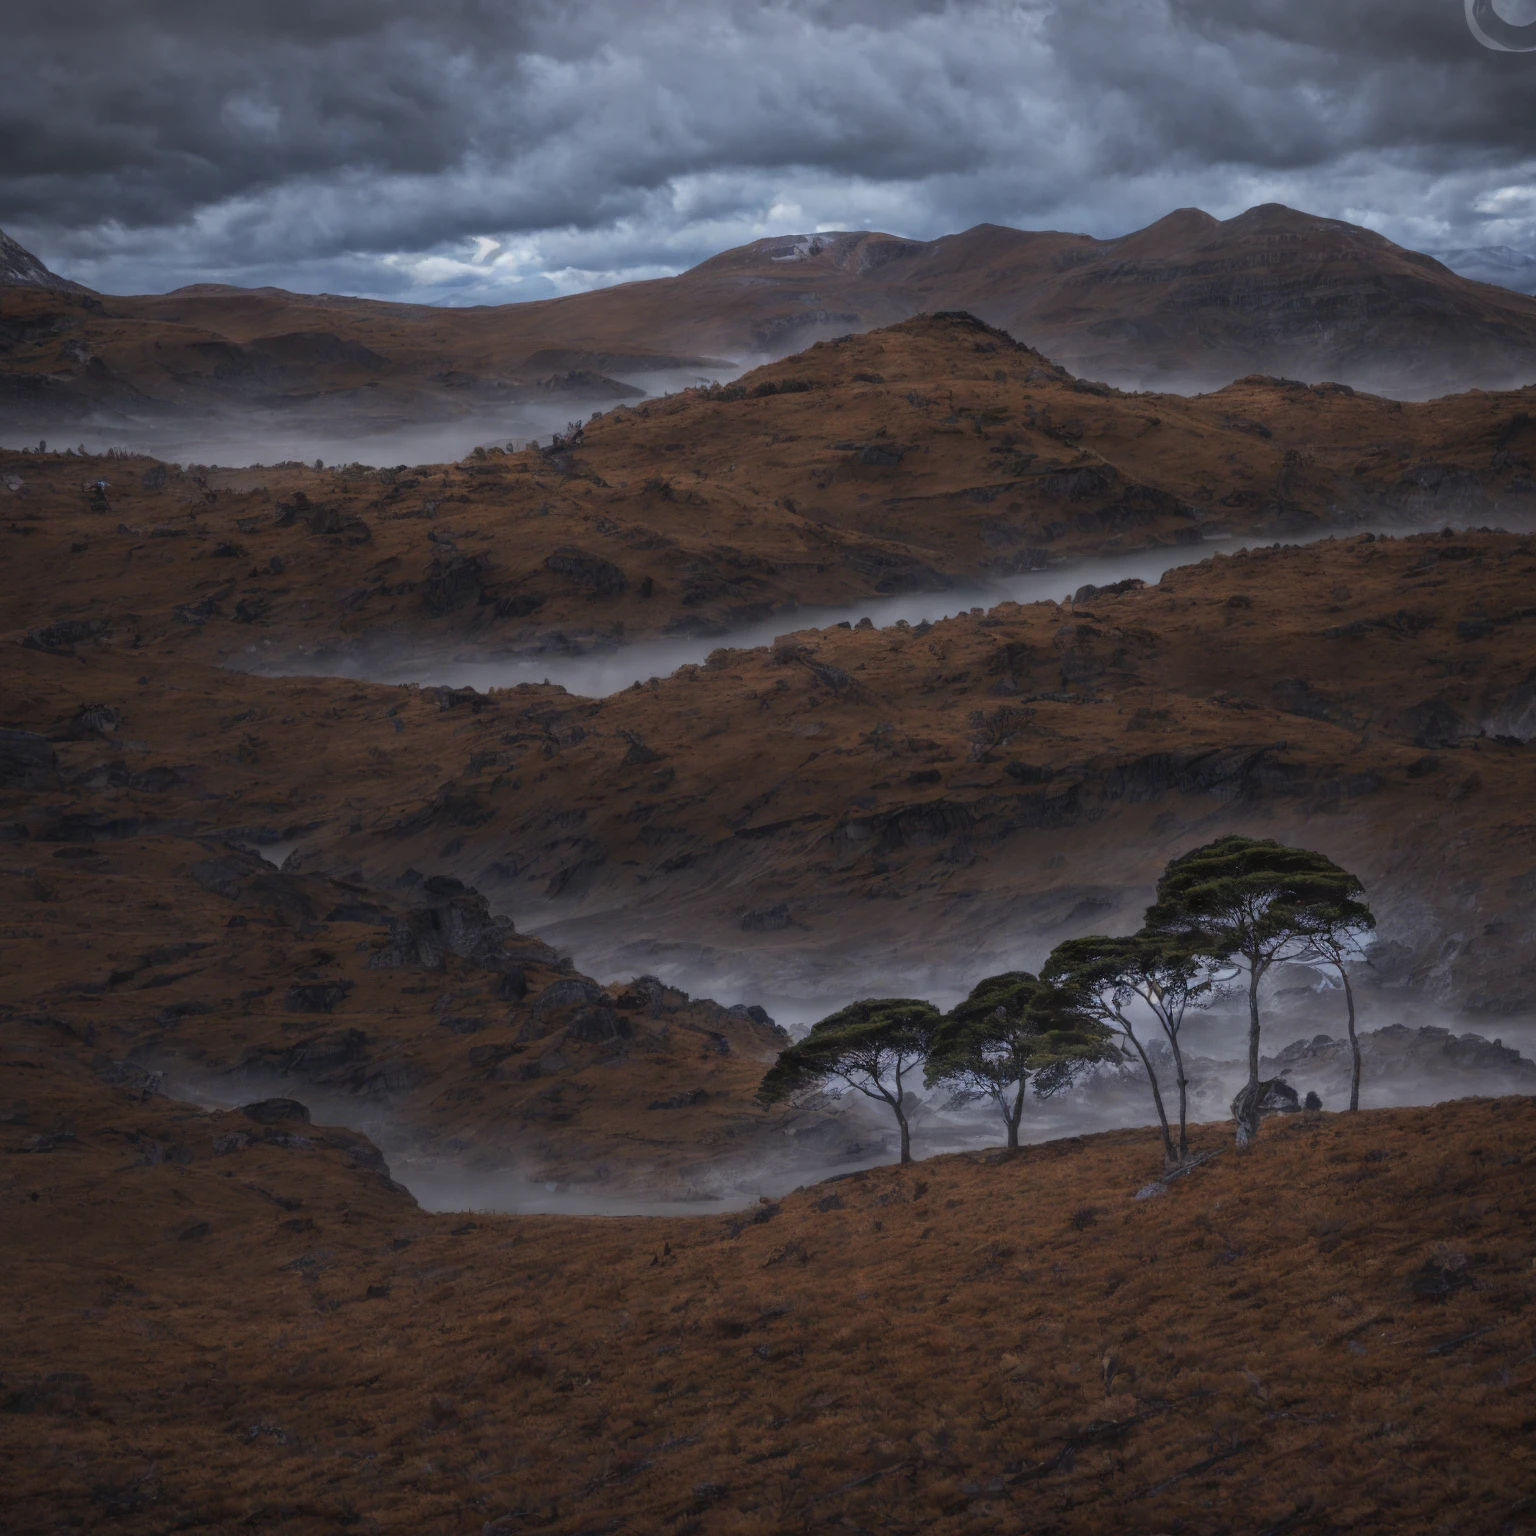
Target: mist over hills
(1187,304)
(473,979)
(1499,264)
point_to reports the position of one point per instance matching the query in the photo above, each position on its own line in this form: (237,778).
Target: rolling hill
(1189,303)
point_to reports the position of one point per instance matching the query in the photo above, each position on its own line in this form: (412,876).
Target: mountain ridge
(1188,303)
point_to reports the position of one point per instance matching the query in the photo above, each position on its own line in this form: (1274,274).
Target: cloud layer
(477,151)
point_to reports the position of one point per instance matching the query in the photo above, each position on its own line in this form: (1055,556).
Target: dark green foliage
(869,1046)
(1011,1029)
(1103,977)
(1253,897)
(1257,901)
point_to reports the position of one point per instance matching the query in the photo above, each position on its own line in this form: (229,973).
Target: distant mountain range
(1501,264)
(1188,303)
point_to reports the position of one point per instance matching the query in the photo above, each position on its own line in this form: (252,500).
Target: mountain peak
(19,268)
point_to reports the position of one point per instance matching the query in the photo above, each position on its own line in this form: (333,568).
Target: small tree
(1102,978)
(1333,941)
(1258,901)
(869,1046)
(1010,1029)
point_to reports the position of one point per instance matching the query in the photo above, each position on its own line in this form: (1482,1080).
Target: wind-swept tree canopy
(1093,973)
(1012,1028)
(1258,901)
(869,1046)
(1104,977)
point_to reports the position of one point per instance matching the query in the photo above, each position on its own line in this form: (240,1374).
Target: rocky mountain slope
(1190,302)
(802,810)
(902,809)
(19,268)
(149,937)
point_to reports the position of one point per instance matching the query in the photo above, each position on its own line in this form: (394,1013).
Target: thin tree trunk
(1015,1115)
(906,1137)
(1354,1039)
(1157,1097)
(1248,1123)
(1178,1064)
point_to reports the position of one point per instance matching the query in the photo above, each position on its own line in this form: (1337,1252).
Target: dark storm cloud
(471,149)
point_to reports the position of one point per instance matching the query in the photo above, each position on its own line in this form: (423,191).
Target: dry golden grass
(1325,1334)
(120,948)
(1328,1334)
(929,452)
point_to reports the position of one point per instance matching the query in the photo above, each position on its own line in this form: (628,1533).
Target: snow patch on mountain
(20,268)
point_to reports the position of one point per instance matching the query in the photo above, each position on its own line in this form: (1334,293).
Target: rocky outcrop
(455,919)
(19,268)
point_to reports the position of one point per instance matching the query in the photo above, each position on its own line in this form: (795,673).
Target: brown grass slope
(1012,773)
(888,803)
(932,452)
(218,1327)
(154,950)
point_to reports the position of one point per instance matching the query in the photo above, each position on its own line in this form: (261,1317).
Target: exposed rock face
(455,921)
(20,268)
(1270,1096)
(600,577)
(1401,1056)
(276,1112)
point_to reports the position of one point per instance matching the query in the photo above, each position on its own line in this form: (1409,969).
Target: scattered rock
(453,581)
(600,577)
(767,919)
(569,992)
(61,639)
(455,921)
(753,1012)
(596,1025)
(316,996)
(1087,592)
(1273,1096)
(680,1100)
(276,1112)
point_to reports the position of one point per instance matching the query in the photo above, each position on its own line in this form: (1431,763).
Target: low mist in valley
(1408,1062)
(337,432)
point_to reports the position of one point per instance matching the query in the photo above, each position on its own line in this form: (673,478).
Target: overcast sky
(471,151)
